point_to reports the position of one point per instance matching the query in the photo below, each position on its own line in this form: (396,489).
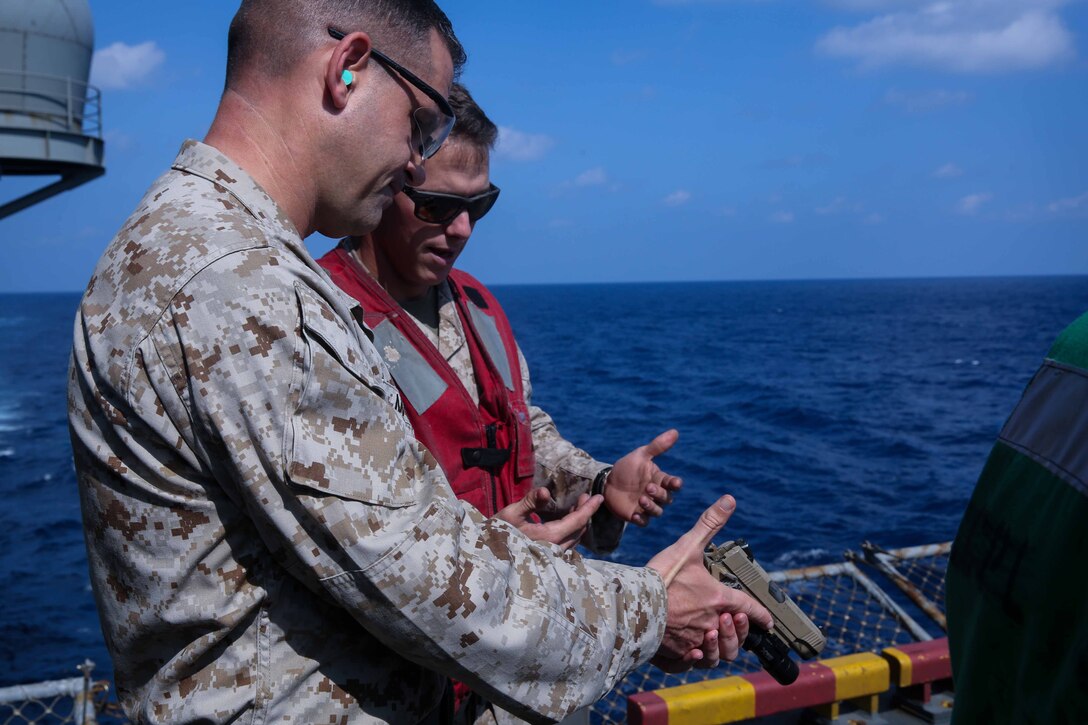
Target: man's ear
(352,54)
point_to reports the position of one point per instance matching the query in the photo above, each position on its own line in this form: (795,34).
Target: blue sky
(680,139)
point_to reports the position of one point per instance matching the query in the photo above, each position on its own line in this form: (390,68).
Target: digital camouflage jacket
(266,539)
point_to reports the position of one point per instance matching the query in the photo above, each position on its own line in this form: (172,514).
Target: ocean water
(835,412)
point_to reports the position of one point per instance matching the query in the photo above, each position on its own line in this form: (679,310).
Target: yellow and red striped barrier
(919,662)
(919,665)
(860,678)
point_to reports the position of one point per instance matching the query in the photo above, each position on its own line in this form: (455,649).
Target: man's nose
(460,226)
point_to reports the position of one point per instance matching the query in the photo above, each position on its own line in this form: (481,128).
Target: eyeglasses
(431,126)
(437,208)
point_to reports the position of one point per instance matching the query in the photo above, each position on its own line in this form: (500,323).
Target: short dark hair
(276,34)
(473,127)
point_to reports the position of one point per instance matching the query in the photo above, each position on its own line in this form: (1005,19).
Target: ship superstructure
(50,117)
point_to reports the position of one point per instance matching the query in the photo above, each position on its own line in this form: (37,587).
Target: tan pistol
(733,565)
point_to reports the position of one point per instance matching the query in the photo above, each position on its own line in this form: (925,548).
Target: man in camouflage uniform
(266,538)
(411,255)
(406,263)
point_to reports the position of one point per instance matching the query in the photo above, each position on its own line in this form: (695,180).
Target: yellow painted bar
(859,675)
(729,699)
(906,665)
(732,699)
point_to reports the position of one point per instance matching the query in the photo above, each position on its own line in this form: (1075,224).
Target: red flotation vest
(485,450)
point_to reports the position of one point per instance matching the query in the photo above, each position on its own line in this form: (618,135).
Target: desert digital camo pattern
(566,470)
(266,538)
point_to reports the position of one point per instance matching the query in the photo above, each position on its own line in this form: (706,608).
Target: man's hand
(637,489)
(700,605)
(564,532)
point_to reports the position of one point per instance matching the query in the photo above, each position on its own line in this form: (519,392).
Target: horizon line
(1064,275)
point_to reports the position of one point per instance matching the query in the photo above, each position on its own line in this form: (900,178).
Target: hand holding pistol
(733,565)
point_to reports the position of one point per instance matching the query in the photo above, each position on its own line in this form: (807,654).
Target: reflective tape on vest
(492,340)
(1050,424)
(416,379)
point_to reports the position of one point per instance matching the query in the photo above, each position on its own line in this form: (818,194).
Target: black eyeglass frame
(464,203)
(443,104)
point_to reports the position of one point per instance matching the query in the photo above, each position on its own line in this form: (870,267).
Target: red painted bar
(818,683)
(929,660)
(815,685)
(647,708)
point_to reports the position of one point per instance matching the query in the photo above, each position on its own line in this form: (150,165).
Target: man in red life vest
(267,539)
(466,385)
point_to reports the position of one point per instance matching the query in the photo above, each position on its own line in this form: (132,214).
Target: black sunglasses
(437,208)
(433,128)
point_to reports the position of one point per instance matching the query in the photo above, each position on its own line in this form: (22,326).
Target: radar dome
(50,118)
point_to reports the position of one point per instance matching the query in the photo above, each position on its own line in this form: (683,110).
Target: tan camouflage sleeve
(568,472)
(295,416)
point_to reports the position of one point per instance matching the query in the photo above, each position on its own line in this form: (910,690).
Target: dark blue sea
(835,412)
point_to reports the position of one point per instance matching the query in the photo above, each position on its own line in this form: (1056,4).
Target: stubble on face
(413,255)
(371,157)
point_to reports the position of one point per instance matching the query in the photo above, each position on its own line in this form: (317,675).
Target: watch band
(600,481)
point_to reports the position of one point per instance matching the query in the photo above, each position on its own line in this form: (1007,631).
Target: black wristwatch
(600,480)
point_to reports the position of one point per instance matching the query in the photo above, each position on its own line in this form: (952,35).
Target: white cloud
(591,177)
(1076,202)
(948,171)
(596,176)
(121,66)
(797,161)
(520,146)
(923,101)
(841,205)
(782,217)
(1022,213)
(870,5)
(678,198)
(118,140)
(676,3)
(965,36)
(971,203)
(627,57)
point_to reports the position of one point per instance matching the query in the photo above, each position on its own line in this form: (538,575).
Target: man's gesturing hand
(565,532)
(637,489)
(699,604)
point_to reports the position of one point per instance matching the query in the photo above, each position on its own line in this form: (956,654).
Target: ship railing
(917,571)
(57,701)
(874,600)
(865,623)
(59,100)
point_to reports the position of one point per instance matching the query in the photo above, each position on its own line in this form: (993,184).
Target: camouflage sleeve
(296,418)
(568,472)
